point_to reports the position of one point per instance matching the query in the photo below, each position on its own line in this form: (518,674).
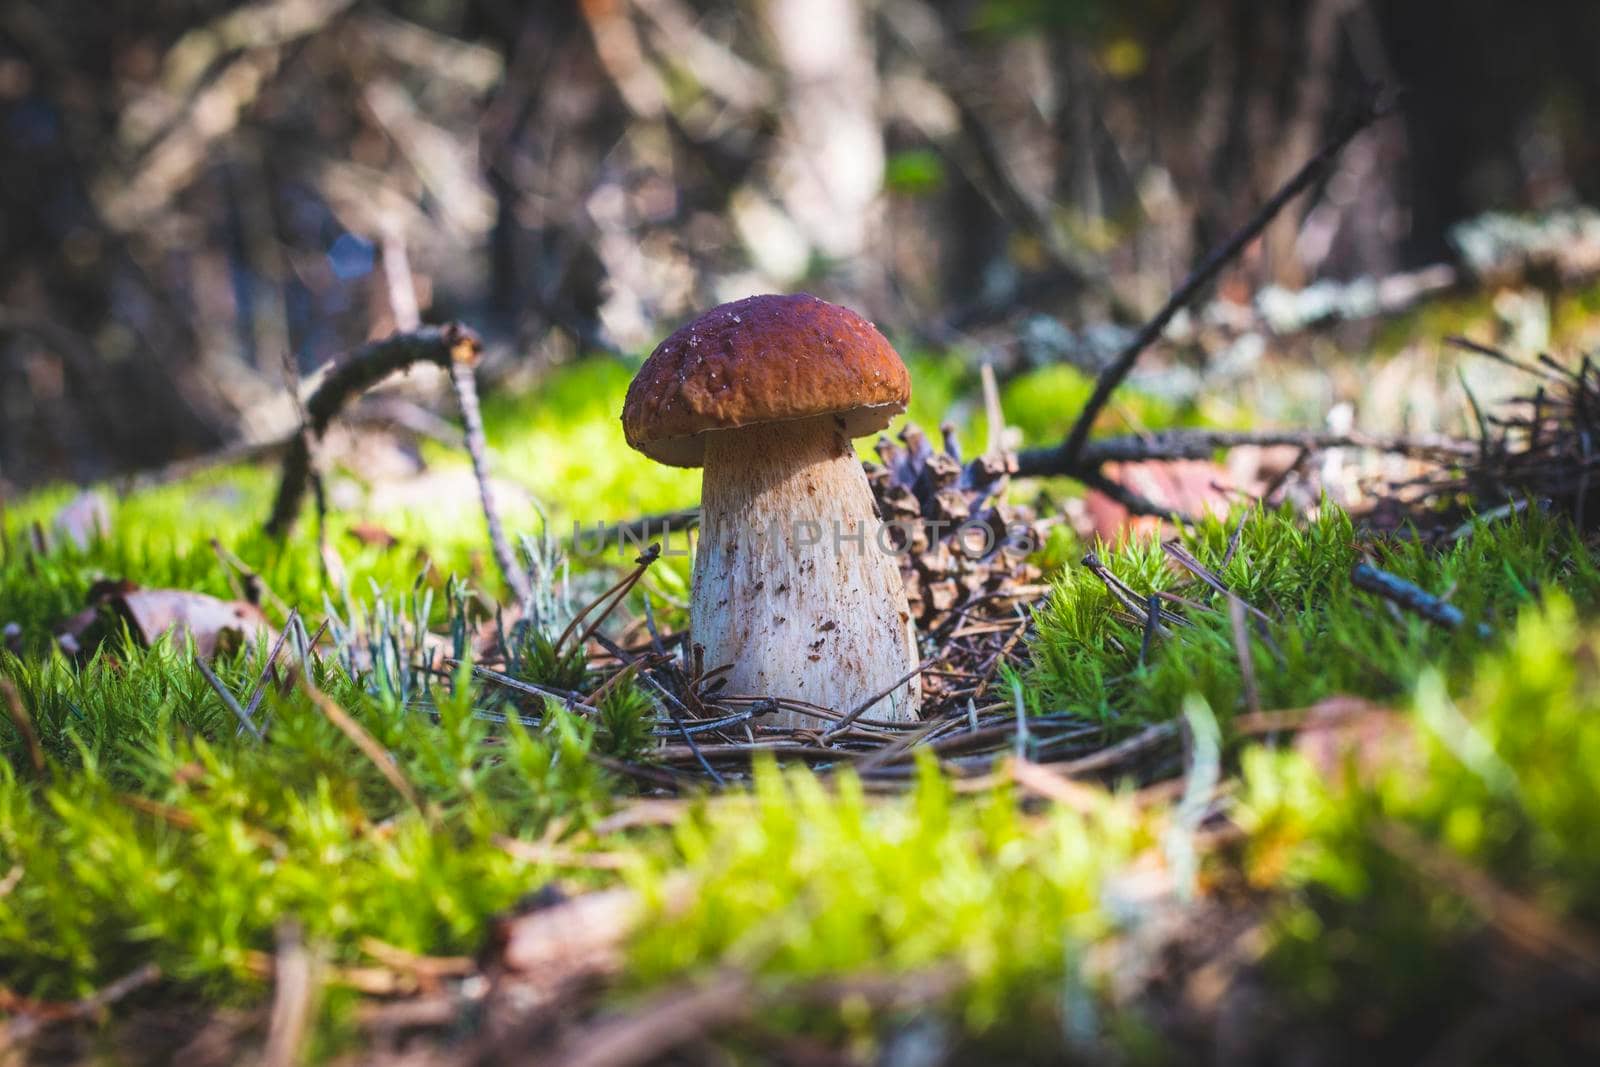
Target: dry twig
(24,724)
(32,1016)
(366,366)
(1072,457)
(380,756)
(295,978)
(1396,589)
(466,389)
(1372,109)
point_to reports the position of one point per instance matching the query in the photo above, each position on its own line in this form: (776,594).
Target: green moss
(1501,783)
(161,538)
(798,880)
(1326,636)
(160,834)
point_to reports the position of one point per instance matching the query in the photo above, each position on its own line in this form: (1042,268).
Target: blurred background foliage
(204,202)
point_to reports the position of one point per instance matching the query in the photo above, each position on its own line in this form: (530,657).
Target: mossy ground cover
(1321,635)
(157,831)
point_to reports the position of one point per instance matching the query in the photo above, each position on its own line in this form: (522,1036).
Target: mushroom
(796,586)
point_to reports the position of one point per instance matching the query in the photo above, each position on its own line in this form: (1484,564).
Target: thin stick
(689,740)
(1151,625)
(1241,649)
(814,711)
(994,415)
(381,758)
(712,724)
(1418,601)
(896,748)
(614,594)
(1376,106)
(25,1024)
(1000,656)
(1104,758)
(1203,444)
(861,709)
(1185,559)
(569,698)
(1123,593)
(650,625)
(294,975)
(465,383)
(24,724)
(1233,538)
(266,672)
(228,699)
(1466,344)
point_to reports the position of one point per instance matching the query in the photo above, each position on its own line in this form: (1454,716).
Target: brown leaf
(571,936)
(215,624)
(1188,486)
(370,533)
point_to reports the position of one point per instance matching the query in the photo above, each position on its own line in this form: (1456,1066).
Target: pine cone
(958,542)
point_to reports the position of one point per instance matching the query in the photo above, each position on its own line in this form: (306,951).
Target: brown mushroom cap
(758,360)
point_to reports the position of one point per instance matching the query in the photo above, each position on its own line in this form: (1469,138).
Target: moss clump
(1417,887)
(798,881)
(158,834)
(1326,636)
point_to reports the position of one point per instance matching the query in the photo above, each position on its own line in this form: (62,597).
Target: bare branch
(1203,444)
(366,366)
(1315,168)
(466,387)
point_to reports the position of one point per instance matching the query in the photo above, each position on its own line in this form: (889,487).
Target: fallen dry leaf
(370,533)
(1189,486)
(214,624)
(572,934)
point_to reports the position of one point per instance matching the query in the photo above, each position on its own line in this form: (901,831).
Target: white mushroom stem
(792,586)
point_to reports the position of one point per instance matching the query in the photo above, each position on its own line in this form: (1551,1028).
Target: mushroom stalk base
(792,588)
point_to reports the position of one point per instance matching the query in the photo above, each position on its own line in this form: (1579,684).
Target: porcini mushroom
(796,587)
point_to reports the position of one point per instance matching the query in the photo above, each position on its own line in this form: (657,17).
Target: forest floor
(1283,788)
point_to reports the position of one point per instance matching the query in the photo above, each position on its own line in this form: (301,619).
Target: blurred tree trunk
(829,160)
